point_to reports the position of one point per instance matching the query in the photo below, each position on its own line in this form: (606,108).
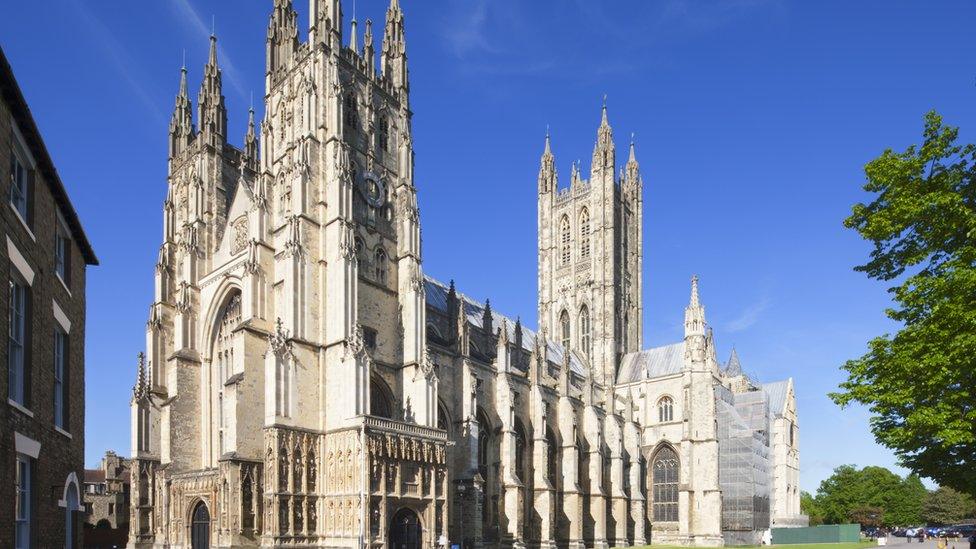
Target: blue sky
(753,120)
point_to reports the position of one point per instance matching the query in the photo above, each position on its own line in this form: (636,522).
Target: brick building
(106,493)
(43,255)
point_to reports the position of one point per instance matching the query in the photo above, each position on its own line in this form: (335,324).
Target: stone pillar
(511,485)
(544,496)
(617,533)
(638,508)
(570,524)
(598,501)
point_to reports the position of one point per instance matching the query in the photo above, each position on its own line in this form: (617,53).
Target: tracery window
(565,253)
(584,232)
(350,111)
(585,333)
(665,485)
(565,330)
(383,133)
(552,456)
(222,361)
(665,409)
(520,444)
(379,400)
(380,265)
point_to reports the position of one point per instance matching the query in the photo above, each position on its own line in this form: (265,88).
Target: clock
(373,190)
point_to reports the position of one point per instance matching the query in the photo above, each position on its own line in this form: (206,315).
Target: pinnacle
(633,154)
(212,61)
(694,292)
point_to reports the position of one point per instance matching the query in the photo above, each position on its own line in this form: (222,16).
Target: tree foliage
(872,496)
(810,508)
(920,383)
(947,506)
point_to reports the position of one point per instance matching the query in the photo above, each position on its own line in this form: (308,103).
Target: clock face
(373,190)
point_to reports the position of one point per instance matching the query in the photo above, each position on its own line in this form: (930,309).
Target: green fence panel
(829,533)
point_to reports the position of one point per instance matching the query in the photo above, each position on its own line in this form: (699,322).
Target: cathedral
(304,384)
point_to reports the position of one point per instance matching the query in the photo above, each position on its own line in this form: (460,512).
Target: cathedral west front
(304,384)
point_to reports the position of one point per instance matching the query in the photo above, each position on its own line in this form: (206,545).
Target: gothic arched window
(565,253)
(565,330)
(222,361)
(552,457)
(383,133)
(584,234)
(520,445)
(585,334)
(379,399)
(351,111)
(665,409)
(664,482)
(379,258)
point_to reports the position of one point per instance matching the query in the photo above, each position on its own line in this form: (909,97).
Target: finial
(694,292)
(183,68)
(604,121)
(213,25)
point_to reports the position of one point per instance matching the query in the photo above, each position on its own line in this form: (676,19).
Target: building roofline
(11,93)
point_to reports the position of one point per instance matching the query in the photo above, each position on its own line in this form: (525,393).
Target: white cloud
(190,16)
(117,54)
(749,316)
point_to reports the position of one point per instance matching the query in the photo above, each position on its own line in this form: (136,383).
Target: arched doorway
(405,530)
(70,516)
(200,527)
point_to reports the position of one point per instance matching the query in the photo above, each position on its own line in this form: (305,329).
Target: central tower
(590,254)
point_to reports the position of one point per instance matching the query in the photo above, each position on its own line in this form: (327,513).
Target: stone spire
(369,52)
(141,388)
(211,111)
(694,313)
(181,125)
(353,35)
(487,319)
(632,171)
(547,169)
(251,140)
(734,367)
(282,35)
(604,152)
(394,58)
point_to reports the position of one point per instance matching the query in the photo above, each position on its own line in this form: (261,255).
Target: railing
(403,428)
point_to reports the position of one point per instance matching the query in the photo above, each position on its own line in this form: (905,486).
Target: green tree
(947,506)
(870,496)
(810,508)
(920,384)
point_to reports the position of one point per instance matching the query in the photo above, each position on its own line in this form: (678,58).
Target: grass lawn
(857,545)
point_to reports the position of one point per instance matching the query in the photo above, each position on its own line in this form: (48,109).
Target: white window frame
(17,338)
(23,502)
(21,154)
(62,251)
(60,368)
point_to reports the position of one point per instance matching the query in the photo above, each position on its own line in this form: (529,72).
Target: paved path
(902,543)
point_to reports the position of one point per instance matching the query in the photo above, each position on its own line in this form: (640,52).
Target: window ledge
(27,228)
(63,432)
(63,285)
(20,407)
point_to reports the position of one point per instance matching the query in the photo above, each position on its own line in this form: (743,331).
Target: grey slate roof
(777,392)
(650,363)
(474,310)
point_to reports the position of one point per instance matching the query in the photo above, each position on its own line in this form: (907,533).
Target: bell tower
(590,256)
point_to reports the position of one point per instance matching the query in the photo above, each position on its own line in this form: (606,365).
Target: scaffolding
(745,472)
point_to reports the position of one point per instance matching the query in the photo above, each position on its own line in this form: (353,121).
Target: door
(405,530)
(200,527)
